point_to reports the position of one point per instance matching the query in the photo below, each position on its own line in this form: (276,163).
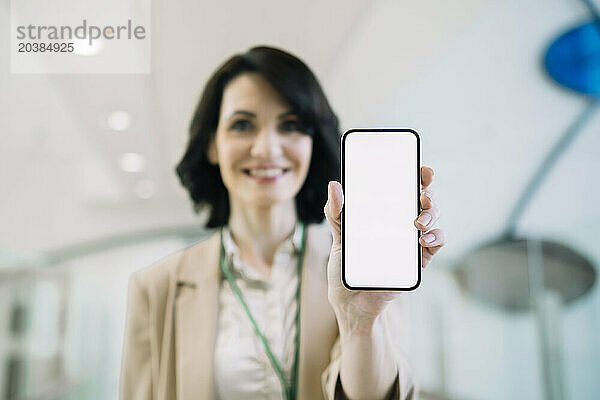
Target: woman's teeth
(269,173)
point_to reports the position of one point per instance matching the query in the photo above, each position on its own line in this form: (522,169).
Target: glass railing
(62,320)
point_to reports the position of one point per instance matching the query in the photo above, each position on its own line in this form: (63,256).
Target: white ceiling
(465,73)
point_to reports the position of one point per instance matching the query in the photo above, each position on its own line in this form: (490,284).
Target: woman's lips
(266,174)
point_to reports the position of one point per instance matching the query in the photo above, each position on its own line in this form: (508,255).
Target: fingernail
(334,188)
(430,237)
(424,219)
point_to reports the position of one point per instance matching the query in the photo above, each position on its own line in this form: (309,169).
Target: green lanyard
(289,389)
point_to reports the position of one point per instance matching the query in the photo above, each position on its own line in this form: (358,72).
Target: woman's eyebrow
(242,112)
(286,114)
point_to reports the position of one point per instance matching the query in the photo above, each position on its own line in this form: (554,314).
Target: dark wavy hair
(297,84)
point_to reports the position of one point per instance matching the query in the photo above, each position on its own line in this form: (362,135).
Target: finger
(426,176)
(428,252)
(426,257)
(333,207)
(432,239)
(427,218)
(427,198)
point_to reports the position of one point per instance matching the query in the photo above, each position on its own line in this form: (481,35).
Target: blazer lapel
(196,307)
(317,321)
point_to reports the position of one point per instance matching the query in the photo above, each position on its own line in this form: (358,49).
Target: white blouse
(242,367)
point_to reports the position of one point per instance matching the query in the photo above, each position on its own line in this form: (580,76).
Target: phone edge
(419,247)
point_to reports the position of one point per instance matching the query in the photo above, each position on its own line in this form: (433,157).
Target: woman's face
(259,147)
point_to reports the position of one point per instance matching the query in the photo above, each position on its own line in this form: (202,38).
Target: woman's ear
(211,152)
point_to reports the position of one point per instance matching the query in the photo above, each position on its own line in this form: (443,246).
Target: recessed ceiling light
(82,47)
(145,188)
(119,121)
(132,162)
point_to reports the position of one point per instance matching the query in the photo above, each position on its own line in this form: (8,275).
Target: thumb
(333,208)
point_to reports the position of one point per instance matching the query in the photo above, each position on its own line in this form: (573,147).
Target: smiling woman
(262,154)
(232,109)
(257,310)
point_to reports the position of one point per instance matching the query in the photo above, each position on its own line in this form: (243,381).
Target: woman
(257,310)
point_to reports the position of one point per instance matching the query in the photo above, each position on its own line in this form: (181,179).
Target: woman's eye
(241,125)
(291,126)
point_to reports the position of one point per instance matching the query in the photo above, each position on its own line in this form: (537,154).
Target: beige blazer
(172,318)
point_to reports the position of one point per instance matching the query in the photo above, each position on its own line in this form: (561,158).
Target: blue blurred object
(573,59)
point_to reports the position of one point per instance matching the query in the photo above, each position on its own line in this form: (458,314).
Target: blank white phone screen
(381,190)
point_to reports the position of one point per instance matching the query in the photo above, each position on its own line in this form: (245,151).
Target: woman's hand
(360,308)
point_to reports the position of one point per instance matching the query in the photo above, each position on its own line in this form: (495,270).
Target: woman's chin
(267,200)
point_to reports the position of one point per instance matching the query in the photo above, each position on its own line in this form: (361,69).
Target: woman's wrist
(353,323)
(368,366)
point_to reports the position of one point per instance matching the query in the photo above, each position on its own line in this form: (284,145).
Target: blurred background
(510,309)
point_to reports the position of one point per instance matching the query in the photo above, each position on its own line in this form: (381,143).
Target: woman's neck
(258,231)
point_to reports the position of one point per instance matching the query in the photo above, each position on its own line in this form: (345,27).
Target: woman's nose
(266,144)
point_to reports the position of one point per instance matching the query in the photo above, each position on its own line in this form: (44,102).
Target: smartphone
(381,182)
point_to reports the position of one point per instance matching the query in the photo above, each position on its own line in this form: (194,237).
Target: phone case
(381,181)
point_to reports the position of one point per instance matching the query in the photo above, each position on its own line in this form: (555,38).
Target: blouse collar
(290,246)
